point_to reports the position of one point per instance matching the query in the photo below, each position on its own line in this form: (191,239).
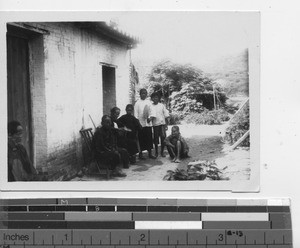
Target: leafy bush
(186,105)
(231,109)
(198,170)
(175,118)
(239,125)
(207,117)
(197,95)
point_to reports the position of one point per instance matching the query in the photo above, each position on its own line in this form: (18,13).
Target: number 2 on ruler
(143,236)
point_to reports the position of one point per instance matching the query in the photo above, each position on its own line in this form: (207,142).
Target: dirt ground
(205,143)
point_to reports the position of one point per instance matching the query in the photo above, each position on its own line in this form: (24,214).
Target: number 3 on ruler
(221,237)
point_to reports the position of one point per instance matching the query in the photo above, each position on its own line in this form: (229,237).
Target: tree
(167,77)
(184,87)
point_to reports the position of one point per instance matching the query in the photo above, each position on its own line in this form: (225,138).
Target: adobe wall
(70,90)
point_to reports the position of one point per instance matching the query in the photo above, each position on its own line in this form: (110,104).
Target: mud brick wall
(63,162)
(67,74)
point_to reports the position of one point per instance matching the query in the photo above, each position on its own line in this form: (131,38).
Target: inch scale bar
(143,205)
(147,223)
(147,238)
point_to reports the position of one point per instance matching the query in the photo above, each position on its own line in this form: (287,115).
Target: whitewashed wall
(73,88)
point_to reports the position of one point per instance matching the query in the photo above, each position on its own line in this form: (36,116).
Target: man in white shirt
(141,112)
(159,116)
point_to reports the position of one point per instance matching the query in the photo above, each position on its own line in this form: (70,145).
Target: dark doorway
(109,88)
(18,86)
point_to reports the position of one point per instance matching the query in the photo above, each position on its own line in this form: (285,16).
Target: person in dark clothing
(114,115)
(131,126)
(121,134)
(106,149)
(20,167)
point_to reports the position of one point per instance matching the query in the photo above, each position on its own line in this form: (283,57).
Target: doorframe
(108,65)
(114,67)
(21,35)
(36,84)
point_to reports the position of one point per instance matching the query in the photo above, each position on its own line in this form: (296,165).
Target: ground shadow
(145,165)
(203,147)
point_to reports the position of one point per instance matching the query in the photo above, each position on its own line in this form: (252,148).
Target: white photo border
(251,185)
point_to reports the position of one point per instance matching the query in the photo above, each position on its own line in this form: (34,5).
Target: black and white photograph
(131,100)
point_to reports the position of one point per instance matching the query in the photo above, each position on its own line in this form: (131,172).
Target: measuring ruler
(148,223)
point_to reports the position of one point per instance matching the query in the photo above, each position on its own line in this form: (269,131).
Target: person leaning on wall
(20,167)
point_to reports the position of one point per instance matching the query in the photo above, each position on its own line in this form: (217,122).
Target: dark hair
(104,117)
(129,106)
(176,127)
(155,94)
(114,109)
(143,89)
(12,127)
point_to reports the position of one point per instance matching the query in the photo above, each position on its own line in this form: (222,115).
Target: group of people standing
(120,139)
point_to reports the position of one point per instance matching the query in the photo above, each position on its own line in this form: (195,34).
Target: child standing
(141,112)
(159,116)
(176,145)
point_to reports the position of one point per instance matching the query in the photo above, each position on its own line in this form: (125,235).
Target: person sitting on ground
(176,145)
(132,125)
(141,112)
(20,167)
(106,149)
(159,116)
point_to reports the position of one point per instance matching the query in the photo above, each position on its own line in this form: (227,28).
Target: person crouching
(176,145)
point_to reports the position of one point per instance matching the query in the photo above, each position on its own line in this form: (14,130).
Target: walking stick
(92,121)
(138,142)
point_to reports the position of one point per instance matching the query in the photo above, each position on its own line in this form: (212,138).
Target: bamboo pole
(92,121)
(214,94)
(236,144)
(239,110)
